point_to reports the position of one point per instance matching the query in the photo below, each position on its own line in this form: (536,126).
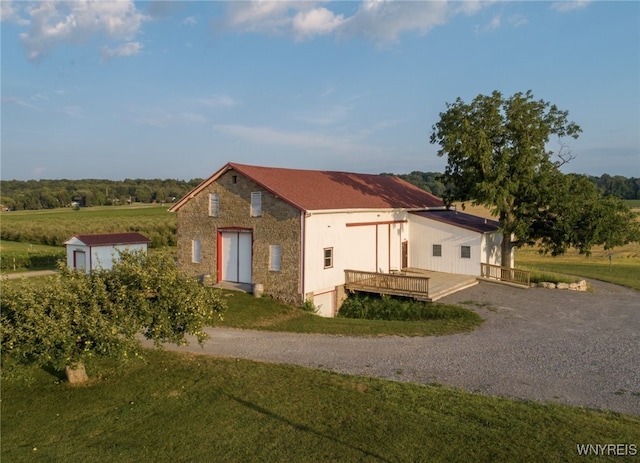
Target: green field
(54,226)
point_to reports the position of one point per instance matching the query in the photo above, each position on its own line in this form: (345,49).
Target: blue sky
(164,89)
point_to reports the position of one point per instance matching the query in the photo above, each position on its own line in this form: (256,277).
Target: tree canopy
(498,156)
(71,317)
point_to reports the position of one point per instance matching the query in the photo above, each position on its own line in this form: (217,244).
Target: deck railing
(510,275)
(387,283)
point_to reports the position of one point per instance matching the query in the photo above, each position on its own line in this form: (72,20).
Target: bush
(68,318)
(393,308)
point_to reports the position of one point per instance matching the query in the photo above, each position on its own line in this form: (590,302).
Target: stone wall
(278,225)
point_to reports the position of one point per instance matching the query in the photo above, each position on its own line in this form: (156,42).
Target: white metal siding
(426,232)
(100,257)
(371,247)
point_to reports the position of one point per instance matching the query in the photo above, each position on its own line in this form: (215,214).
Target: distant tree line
(49,194)
(617,186)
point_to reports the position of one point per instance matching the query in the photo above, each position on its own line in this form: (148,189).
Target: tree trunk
(76,374)
(505,250)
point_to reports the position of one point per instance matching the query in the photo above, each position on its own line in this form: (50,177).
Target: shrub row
(12,261)
(393,308)
(54,234)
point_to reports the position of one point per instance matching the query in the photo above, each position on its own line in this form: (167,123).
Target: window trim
(329,257)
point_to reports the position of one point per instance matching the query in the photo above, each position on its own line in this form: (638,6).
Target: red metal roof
(462,220)
(310,190)
(108,239)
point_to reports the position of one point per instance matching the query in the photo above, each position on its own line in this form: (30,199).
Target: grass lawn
(188,408)
(623,268)
(245,311)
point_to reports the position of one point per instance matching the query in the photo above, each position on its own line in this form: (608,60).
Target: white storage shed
(92,252)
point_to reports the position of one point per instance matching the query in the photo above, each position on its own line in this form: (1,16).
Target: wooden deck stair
(442,284)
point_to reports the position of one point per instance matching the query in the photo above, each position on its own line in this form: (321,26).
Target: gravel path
(538,344)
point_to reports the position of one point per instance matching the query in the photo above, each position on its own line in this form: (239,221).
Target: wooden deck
(505,274)
(419,284)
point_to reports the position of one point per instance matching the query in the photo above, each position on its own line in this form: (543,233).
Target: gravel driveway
(546,345)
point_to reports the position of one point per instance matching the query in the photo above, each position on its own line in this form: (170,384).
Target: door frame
(219,252)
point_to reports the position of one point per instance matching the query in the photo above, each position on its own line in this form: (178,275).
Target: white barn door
(236,256)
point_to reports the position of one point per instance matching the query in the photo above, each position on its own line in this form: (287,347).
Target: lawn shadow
(303,427)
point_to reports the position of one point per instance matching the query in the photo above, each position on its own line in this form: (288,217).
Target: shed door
(80,260)
(236,256)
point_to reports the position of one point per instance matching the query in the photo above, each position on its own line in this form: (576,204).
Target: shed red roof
(108,239)
(310,190)
(462,220)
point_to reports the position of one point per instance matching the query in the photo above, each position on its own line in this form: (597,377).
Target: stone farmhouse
(296,232)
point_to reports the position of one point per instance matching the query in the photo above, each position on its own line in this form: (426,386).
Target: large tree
(498,156)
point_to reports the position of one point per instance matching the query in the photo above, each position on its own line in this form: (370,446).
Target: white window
(275,256)
(195,251)
(437,250)
(256,204)
(328,257)
(465,252)
(214,204)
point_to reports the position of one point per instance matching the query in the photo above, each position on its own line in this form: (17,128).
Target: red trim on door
(218,254)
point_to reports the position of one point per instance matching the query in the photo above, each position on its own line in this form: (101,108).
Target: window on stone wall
(437,250)
(328,257)
(256,204)
(195,251)
(214,204)
(275,257)
(465,252)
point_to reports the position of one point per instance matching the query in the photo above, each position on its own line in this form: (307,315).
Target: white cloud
(218,101)
(490,26)
(259,16)
(52,23)
(326,116)
(517,20)
(297,139)
(74,111)
(190,21)
(9,12)
(316,21)
(125,49)
(569,5)
(380,20)
(383,21)
(7,100)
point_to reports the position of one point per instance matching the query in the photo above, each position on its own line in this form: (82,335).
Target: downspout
(389,248)
(302,251)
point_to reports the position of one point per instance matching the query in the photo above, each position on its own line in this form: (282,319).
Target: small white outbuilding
(92,252)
